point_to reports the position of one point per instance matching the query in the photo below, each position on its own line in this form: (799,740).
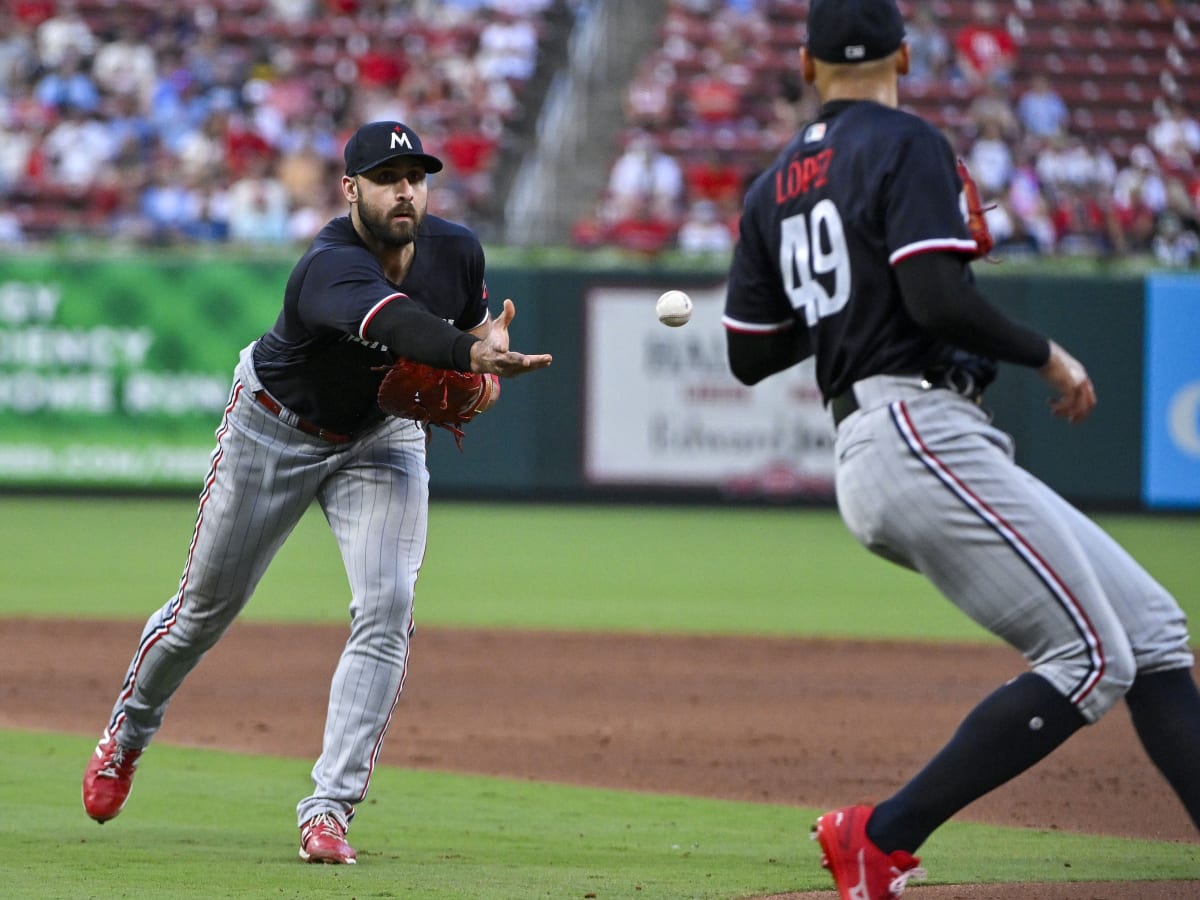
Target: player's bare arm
(491,353)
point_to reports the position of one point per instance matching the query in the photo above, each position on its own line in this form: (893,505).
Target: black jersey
(317,359)
(858,189)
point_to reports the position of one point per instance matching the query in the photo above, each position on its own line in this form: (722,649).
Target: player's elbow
(747,366)
(747,371)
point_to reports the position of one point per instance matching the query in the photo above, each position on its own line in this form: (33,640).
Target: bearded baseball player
(384,332)
(853,249)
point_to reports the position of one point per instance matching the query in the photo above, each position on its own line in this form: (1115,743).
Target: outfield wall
(114,372)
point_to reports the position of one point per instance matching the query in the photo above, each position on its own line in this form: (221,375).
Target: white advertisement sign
(662,408)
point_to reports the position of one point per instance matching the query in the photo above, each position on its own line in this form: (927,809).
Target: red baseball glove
(976,220)
(441,397)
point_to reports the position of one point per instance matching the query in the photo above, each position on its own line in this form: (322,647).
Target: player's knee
(1120,669)
(1094,679)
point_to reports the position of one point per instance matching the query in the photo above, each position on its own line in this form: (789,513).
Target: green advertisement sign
(115,373)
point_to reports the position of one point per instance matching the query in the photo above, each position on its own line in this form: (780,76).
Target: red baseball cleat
(108,778)
(323,840)
(861,870)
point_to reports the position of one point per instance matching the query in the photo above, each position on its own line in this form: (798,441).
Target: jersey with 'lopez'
(859,189)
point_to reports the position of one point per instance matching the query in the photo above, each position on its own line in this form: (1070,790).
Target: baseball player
(853,249)
(303,425)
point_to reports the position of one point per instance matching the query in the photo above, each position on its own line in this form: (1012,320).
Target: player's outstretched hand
(1076,395)
(492,354)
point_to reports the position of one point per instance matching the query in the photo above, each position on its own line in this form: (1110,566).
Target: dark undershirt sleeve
(941,297)
(411,332)
(752,357)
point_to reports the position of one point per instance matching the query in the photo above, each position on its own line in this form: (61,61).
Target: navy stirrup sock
(1165,707)
(1011,729)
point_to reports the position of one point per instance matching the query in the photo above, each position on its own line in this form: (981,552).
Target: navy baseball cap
(379,142)
(854,31)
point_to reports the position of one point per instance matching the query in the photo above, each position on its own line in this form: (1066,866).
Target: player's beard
(387,230)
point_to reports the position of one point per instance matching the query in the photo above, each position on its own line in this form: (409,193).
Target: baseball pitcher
(384,332)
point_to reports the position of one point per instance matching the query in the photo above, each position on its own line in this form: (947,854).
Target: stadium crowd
(169,122)
(699,129)
(156,123)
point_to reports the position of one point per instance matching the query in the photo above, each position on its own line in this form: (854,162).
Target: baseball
(674,308)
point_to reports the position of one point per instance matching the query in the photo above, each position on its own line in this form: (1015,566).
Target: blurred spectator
(1142,176)
(293,10)
(130,134)
(1175,137)
(993,107)
(379,66)
(469,152)
(703,232)
(1012,236)
(77,148)
(1180,201)
(32,12)
(643,230)
(178,104)
(1103,167)
(171,210)
(524,8)
(303,174)
(11,232)
(1085,225)
(203,149)
(713,101)
(65,32)
(244,147)
(985,51)
(18,53)
(258,207)
(1068,159)
(594,230)
(1135,219)
(1173,245)
(1041,109)
(715,176)
(1027,200)
(17,144)
(125,65)
(508,47)
(929,50)
(991,161)
(649,102)
(310,214)
(68,83)
(645,177)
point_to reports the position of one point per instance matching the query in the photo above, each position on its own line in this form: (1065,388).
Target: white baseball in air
(674,308)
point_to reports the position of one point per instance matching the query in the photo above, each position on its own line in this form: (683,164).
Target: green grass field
(621,568)
(219,825)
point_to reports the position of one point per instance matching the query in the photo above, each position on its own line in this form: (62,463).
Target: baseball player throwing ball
(386,311)
(853,249)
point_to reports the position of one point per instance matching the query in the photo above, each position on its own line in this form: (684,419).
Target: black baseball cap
(853,31)
(378,142)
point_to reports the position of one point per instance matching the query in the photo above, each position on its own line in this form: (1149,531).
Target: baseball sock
(1010,730)
(1165,707)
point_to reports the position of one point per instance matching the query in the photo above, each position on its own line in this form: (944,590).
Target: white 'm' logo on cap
(400,139)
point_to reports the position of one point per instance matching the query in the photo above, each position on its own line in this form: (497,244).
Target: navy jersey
(858,189)
(317,359)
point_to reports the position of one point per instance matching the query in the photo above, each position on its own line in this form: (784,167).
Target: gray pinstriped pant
(925,480)
(264,476)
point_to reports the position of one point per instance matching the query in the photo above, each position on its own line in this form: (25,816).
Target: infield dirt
(813,723)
